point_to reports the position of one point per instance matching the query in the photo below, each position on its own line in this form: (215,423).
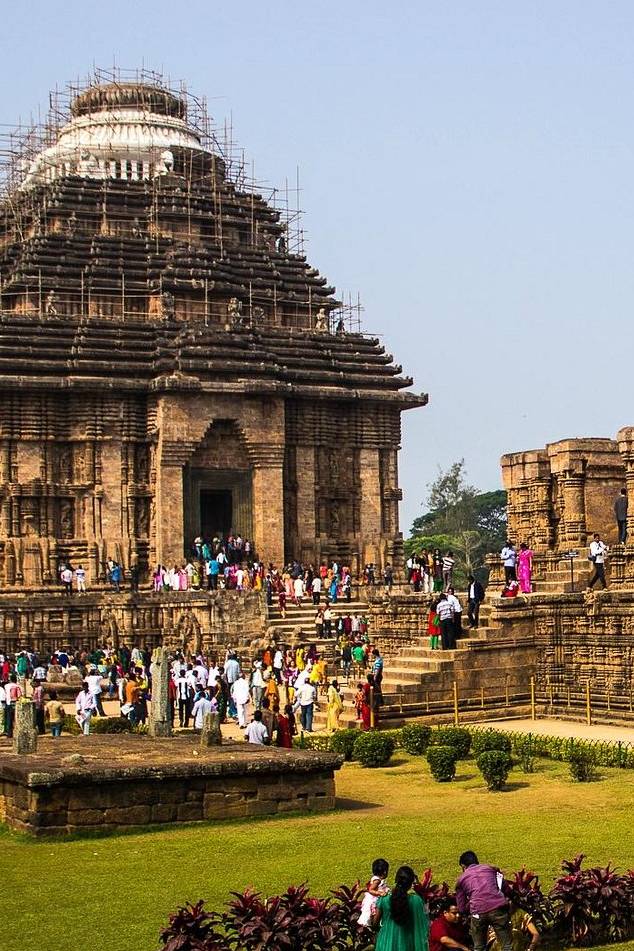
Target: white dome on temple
(125,131)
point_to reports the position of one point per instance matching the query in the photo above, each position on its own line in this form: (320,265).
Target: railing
(458,700)
(585,699)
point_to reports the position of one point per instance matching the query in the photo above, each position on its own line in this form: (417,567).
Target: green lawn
(115,892)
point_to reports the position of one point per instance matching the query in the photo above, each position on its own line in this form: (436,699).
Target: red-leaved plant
(524,891)
(432,893)
(191,928)
(593,903)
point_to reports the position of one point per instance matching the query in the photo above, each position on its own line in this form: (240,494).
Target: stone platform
(126,781)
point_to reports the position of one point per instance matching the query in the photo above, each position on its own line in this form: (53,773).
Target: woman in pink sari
(525,568)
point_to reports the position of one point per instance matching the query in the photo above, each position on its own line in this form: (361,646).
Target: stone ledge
(143,758)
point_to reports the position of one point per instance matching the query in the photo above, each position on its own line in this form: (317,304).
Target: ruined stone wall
(185,620)
(561,495)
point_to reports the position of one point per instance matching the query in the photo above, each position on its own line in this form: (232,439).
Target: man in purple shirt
(479,894)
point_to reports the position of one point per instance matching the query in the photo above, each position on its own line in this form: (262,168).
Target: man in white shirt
(257,684)
(256,732)
(201,708)
(94,685)
(444,611)
(306,697)
(278,665)
(598,551)
(184,693)
(509,558)
(80,579)
(457,612)
(241,697)
(316,589)
(85,706)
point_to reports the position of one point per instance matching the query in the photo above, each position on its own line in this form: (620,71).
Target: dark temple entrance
(216,501)
(216,512)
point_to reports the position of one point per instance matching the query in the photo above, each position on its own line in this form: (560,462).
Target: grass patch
(122,887)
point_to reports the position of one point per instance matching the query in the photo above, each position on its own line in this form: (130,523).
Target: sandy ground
(596,731)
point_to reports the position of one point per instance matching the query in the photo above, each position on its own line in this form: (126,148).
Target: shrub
(373,748)
(343,741)
(432,894)
(313,741)
(494,766)
(581,766)
(592,905)
(442,762)
(110,725)
(454,736)
(71,725)
(415,738)
(488,740)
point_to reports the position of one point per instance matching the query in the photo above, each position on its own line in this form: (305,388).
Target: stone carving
(211,734)
(24,731)
(322,323)
(67,518)
(50,304)
(160,723)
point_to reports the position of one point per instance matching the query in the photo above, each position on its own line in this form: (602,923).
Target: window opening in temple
(216,512)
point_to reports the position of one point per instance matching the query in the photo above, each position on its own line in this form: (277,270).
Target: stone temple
(170,366)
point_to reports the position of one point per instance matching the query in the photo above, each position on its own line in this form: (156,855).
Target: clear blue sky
(466,166)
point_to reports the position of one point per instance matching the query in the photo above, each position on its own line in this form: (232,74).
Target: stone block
(189,811)
(83,817)
(128,815)
(222,810)
(259,807)
(163,812)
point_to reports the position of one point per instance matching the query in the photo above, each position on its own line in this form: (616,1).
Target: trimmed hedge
(495,766)
(373,748)
(415,738)
(488,740)
(98,725)
(601,752)
(343,741)
(455,736)
(582,768)
(442,762)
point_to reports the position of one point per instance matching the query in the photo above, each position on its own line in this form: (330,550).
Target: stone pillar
(625,439)
(370,506)
(574,512)
(160,723)
(211,734)
(24,730)
(306,528)
(169,515)
(268,501)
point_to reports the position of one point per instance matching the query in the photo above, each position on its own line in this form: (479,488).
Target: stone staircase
(418,681)
(298,627)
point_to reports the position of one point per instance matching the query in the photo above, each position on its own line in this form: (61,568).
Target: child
(376,889)
(433,626)
(358,700)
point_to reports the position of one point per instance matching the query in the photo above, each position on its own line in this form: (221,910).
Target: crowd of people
(479,916)
(430,571)
(282,685)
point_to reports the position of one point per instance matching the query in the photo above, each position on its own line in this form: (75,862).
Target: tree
(460,518)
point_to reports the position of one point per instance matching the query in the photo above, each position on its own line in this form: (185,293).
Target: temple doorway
(216,512)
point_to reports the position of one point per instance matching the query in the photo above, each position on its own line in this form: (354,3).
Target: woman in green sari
(403,917)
